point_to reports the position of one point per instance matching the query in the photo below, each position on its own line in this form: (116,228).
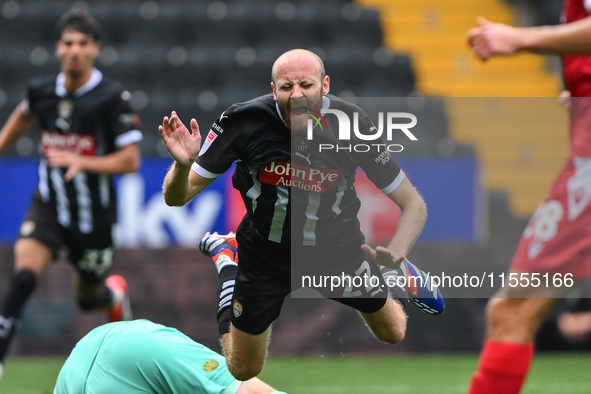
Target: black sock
(395,286)
(403,303)
(225,291)
(104,300)
(22,285)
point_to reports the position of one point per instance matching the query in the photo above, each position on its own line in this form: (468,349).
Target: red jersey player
(557,240)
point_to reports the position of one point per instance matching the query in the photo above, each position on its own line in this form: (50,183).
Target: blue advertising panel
(451,188)
(18,180)
(146,220)
(453,193)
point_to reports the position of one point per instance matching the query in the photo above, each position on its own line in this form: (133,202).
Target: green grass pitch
(445,374)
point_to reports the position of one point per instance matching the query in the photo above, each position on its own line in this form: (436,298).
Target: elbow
(173,199)
(130,165)
(420,207)
(169,202)
(135,164)
(173,202)
(418,210)
(423,210)
(131,159)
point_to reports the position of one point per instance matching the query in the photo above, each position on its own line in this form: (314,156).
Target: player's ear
(273,88)
(325,85)
(96,49)
(57,48)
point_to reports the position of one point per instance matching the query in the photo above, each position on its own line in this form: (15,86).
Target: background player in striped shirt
(88,134)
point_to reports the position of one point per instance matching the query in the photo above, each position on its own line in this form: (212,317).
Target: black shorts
(91,254)
(265,278)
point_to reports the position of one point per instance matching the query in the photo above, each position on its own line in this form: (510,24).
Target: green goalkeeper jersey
(143,357)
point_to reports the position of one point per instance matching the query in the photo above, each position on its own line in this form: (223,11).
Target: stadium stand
(527,135)
(198,57)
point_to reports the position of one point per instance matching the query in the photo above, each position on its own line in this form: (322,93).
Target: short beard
(75,74)
(301,126)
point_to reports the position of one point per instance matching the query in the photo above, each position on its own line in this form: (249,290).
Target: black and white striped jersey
(95,120)
(295,192)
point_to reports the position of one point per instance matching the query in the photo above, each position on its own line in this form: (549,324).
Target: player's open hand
(491,38)
(564,99)
(61,158)
(383,256)
(182,145)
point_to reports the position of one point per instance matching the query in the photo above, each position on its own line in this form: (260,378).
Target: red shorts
(557,238)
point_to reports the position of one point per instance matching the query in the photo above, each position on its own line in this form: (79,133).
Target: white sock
(223,261)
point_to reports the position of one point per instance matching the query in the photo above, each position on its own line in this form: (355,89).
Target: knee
(245,353)
(516,319)
(393,336)
(505,319)
(498,311)
(389,324)
(245,371)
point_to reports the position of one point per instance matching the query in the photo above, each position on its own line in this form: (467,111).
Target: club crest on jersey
(65,109)
(27,228)
(211,136)
(280,173)
(237,308)
(301,144)
(211,365)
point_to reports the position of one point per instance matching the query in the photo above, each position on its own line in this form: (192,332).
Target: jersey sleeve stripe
(203,172)
(131,137)
(394,185)
(25,107)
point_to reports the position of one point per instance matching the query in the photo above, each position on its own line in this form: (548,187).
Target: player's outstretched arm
(181,184)
(124,161)
(497,39)
(411,223)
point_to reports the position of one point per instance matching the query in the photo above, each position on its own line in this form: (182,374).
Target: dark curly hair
(80,21)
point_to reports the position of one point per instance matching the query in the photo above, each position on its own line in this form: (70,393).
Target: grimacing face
(77,52)
(298,86)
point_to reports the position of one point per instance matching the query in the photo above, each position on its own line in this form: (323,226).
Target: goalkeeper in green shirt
(143,357)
